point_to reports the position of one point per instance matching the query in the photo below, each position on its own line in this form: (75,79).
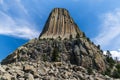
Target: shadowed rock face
(60,24)
(80,52)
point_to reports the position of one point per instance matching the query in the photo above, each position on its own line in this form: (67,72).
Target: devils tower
(60,24)
(79,50)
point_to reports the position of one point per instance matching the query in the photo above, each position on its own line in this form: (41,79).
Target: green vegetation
(44,38)
(52,39)
(44,57)
(78,35)
(109,59)
(65,39)
(93,43)
(23,59)
(84,34)
(116,73)
(88,39)
(108,54)
(107,72)
(55,55)
(114,68)
(59,38)
(118,66)
(89,70)
(98,46)
(71,37)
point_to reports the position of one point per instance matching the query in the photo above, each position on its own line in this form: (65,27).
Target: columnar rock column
(60,24)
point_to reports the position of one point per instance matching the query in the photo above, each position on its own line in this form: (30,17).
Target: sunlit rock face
(60,24)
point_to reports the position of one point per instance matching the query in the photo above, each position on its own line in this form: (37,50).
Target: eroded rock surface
(60,24)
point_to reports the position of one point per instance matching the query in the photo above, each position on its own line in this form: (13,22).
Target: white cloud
(19,26)
(109,30)
(114,53)
(9,26)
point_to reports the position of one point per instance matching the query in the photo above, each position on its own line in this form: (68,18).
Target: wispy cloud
(9,26)
(109,30)
(17,24)
(21,6)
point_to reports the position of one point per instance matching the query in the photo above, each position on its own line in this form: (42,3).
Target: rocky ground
(48,71)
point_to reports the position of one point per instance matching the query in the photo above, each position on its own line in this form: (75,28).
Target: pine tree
(71,37)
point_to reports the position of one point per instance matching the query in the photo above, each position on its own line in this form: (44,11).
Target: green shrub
(23,59)
(44,57)
(44,38)
(84,34)
(65,39)
(55,55)
(98,46)
(78,35)
(116,74)
(59,38)
(89,70)
(118,66)
(52,39)
(93,43)
(108,53)
(88,39)
(71,37)
(110,61)
(108,72)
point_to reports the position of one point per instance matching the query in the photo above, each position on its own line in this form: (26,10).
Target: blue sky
(22,20)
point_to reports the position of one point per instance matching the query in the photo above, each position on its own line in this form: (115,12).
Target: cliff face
(60,24)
